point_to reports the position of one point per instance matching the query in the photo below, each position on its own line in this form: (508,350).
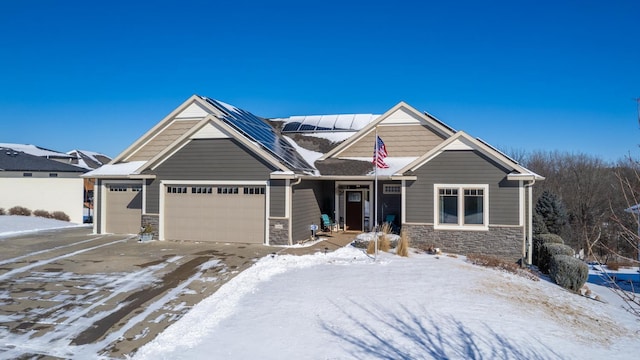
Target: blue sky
(532,75)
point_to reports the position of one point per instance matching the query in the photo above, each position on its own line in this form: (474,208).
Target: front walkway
(330,242)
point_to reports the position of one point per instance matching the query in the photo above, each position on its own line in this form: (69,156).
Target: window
(461,206)
(53,174)
(136,188)
(392,189)
(228,190)
(118,188)
(27,174)
(254,191)
(202,190)
(176,189)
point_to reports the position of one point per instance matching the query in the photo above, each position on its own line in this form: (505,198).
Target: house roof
(36,151)
(261,132)
(88,159)
(116,170)
(308,145)
(462,141)
(13,160)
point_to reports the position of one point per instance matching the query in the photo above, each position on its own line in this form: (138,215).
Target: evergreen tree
(552,211)
(539,226)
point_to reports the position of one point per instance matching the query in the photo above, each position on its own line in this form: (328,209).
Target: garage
(219,213)
(123,208)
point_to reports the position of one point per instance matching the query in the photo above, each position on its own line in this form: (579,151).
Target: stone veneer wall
(503,242)
(154,221)
(278,236)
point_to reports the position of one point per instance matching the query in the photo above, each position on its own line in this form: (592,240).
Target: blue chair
(391,220)
(327,223)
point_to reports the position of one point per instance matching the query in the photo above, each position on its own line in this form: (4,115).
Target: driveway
(71,294)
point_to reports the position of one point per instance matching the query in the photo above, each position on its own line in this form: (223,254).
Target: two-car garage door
(215,213)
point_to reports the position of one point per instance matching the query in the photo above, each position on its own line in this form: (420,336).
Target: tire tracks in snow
(30,266)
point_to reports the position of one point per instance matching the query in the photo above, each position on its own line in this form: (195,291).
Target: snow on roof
(89,159)
(34,150)
(333,136)
(309,156)
(395,164)
(323,123)
(121,169)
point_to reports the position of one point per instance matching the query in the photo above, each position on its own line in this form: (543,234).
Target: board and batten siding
(208,159)
(463,167)
(400,140)
(277,190)
(163,139)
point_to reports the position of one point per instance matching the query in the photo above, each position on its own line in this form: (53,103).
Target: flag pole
(375,194)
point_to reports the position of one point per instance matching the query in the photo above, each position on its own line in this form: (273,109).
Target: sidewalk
(330,242)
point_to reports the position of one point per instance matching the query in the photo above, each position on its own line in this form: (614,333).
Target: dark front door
(354,210)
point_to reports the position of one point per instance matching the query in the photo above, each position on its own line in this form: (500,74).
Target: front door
(353,210)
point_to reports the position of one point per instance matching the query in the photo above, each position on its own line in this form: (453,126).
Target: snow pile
(345,305)
(13,224)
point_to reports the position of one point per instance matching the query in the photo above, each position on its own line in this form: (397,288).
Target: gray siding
(277,195)
(463,167)
(310,200)
(208,159)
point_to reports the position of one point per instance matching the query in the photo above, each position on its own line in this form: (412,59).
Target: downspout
(528,248)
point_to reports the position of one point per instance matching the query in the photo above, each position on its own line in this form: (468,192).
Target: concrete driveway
(71,294)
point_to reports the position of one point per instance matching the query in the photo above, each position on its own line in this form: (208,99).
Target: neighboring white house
(40,182)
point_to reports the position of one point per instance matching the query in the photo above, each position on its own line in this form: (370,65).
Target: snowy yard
(343,305)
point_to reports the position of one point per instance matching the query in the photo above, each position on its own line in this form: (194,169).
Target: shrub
(60,215)
(19,210)
(42,213)
(568,272)
(548,250)
(403,245)
(540,239)
(2,212)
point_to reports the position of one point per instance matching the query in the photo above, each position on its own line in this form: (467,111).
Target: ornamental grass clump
(568,272)
(403,245)
(548,251)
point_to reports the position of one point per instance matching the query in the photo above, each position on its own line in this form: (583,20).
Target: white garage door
(215,213)
(123,208)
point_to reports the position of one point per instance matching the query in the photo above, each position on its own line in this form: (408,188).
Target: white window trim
(386,189)
(461,225)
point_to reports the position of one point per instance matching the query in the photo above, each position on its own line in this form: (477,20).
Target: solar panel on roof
(259,131)
(292,126)
(327,122)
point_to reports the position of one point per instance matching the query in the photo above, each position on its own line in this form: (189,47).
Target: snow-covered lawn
(343,305)
(14,225)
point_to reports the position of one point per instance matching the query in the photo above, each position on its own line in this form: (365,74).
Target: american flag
(379,153)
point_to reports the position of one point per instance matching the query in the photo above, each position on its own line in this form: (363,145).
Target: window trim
(460,225)
(392,189)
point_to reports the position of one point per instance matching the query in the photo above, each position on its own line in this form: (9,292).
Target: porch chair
(391,219)
(327,223)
